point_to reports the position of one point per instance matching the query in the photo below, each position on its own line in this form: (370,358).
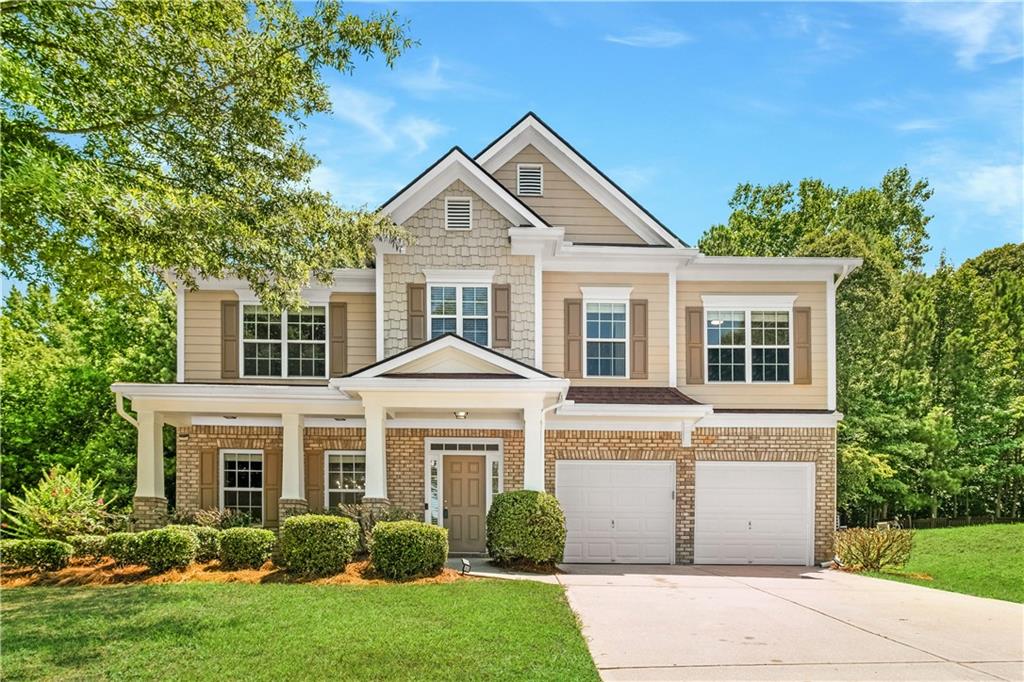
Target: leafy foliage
(526,526)
(44,555)
(221,519)
(166,548)
(61,505)
(408,549)
(317,544)
(208,540)
(246,547)
(872,549)
(88,546)
(124,548)
(367,516)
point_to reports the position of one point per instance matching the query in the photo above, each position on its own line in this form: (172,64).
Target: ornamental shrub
(41,554)
(208,538)
(87,546)
(369,515)
(166,548)
(245,547)
(62,504)
(525,527)
(872,549)
(124,548)
(314,544)
(221,519)
(408,549)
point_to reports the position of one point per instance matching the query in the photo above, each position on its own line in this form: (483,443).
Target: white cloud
(428,81)
(349,191)
(373,115)
(632,177)
(995,188)
(918,125)
(420,131)
(988,32)
(650,37)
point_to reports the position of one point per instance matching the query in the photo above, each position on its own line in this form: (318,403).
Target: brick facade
(149,512)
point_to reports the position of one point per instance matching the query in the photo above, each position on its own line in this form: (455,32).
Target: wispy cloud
(441,77)
(350,191)
(988,32)
(420,131)
(650,37)
(918,125)
(373,115)
(995,188)
(633,177)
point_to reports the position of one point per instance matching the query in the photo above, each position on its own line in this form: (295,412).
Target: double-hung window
(748,345)
(287,344)
(242,482)
(605,340)
(346,477)
(462,310)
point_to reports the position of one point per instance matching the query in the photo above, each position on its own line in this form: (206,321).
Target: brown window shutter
(501,309)
(315,480)
(801,345)
(574,338)
(229,339)
(271,487)
(338,322)
(417,318)
(209,478)
(638,339)
(695,345)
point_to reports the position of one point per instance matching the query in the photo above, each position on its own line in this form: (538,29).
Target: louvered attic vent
(530,180)
(458,213)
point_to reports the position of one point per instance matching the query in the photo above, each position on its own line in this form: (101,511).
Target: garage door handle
(613,523)
(750,525)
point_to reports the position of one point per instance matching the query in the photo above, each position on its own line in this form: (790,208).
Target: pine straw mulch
(105,572)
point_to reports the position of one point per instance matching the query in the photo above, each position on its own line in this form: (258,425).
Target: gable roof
(457,165)
(530,129)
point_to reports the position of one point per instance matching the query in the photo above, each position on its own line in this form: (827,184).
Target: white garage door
(621,512)
(754,513)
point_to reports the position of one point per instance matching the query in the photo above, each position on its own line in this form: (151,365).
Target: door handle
(445,512)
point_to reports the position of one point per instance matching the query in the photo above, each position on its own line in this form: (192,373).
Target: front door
(464,503)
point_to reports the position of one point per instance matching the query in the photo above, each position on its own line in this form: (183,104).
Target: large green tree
(161,135)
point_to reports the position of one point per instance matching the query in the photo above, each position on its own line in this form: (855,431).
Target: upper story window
(605,339)
(287,344)
(530,180)
(748,346)
(462,310)
(458,213)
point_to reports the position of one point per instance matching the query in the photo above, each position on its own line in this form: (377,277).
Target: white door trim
(490,458)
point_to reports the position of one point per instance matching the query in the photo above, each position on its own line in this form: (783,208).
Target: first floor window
(243,483)
(748,346)
(289,344)
(606,339)
(346,478)
(461,310)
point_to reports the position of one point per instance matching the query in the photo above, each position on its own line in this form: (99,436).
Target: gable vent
(458,213)
(530,181)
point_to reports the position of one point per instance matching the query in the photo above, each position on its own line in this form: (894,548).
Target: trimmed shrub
(209,541)
(314,544)
(872,549)
(369,515)
(245,547)
(166,548)
(87,546)
(408,549)
(525,527)
(124,548)
(43,555)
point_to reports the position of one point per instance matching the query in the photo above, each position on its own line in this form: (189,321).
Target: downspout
(124,413)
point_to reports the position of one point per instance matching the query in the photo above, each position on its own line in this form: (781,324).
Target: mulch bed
(105,572)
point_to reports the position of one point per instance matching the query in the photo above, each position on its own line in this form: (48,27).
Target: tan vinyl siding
(559,286)
(757,396)
(566,204)
(362,347)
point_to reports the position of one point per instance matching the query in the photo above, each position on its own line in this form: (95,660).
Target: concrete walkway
(787,623)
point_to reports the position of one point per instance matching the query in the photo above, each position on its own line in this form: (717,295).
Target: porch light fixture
(461,414)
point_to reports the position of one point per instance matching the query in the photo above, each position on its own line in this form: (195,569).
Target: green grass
(987,561)
(467,630)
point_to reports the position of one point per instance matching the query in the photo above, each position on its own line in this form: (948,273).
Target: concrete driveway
(788,623)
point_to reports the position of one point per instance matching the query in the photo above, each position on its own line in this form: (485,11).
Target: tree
(164,136)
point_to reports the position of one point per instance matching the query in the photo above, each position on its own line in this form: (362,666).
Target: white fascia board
(752,420)
(606,294)
(573,409)
(748,301)
(411,386)
(131,390)
(559,423)
(343,280)
(459,276)
(490,357)
(744,269)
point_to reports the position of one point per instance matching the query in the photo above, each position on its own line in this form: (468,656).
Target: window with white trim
(530,180)
(727,345)
(242,483)
(346,477)
(769,345)
(462,310)
(605,339)
(287,344)
(748,346)
(458,213)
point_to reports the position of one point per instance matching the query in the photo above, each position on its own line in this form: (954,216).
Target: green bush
(369,515)
(61,505)
(44,555)
(314,544)
(87,546)
(209,541)
(166,548)
(124,548)
(525,527)
(245,547)
(221,519)
(407,549)
(872,549)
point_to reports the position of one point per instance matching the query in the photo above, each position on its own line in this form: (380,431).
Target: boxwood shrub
(315,544)
(88,546)
(124,548)
(408,549)
(245,547)
(166,548)
(525,527)
(209,541)
(44,555)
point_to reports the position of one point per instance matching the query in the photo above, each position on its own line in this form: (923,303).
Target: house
(541,330)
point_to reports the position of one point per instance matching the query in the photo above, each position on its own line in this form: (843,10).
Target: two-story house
(541,330)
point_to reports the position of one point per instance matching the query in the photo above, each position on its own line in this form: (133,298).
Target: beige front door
(465,503)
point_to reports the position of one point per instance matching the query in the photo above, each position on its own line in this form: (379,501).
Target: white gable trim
(455,165)
(530,131)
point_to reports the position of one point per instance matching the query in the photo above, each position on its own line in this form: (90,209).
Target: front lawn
(466,630)
(979,560)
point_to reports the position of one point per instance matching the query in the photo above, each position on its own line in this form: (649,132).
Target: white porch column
(150,452)
(293,479)
(376,466)
(533,457)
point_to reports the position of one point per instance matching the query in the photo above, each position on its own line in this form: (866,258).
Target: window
(458,213)
(769,345)
(530,180)
(242,483)
(606,340)
(748,346)
(346,477)
(301,351)
(727,346)
(462,310)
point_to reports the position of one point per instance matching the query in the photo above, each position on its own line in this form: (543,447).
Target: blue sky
(680,102)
